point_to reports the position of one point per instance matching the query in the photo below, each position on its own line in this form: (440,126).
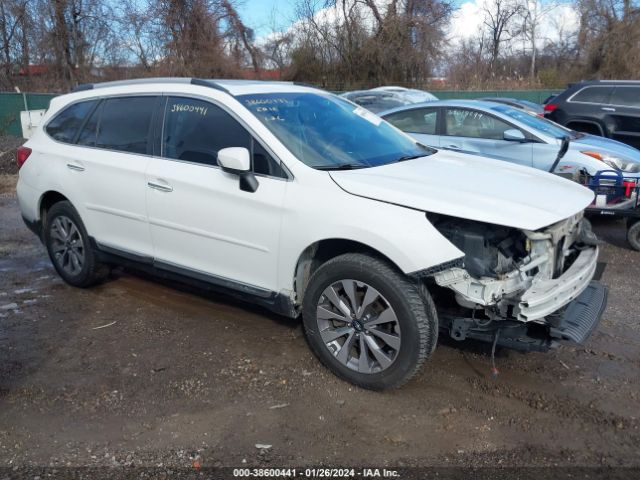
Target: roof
(231,86)
(605,82)
(33,70)
(442,103)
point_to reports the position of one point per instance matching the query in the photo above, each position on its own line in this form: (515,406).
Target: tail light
(21,155)
(550,107)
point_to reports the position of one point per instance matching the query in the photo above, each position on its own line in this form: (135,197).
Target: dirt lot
(136,372)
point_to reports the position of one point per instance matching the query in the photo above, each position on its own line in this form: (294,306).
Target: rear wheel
(633,233)
(68,245)
(368,322)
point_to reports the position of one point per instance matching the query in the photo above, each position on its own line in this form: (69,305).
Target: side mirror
(237,161)
(514,135)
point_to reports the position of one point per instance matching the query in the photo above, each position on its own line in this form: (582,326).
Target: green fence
(11,104)
(536,96)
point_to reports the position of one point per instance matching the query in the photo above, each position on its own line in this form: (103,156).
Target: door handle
(608,109)
(160,188)
(74,167)
(453,147)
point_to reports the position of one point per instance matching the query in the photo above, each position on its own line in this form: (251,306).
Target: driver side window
(195,130)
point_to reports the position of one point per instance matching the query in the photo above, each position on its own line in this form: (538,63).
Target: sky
(262,14)
(266,16)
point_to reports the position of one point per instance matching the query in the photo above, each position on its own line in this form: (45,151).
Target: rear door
(624,112)
(420,123)
(473,131)
(107,167)
(588,110)
(201,223)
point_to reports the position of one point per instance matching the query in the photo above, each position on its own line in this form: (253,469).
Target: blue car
(510,134)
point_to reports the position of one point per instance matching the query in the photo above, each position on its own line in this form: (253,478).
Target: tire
(633,233)
(68,246)
(397,328)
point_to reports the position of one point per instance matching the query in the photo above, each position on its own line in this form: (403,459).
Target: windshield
(326,132)
(533,121)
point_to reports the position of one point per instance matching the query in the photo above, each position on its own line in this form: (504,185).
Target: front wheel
(633,233)
(367,322)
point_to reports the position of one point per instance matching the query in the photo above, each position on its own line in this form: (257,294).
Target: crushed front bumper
(548,296)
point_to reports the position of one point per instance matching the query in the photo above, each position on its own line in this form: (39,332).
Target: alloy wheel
(67,245)
(358,326)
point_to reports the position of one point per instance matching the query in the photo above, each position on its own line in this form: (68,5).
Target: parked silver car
(384,98)
(510,134)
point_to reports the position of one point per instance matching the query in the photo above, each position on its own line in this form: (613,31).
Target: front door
(480,133)
(199,218)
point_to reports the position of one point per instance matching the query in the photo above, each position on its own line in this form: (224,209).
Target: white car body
(261,243)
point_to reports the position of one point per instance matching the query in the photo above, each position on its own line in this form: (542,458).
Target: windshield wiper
(344,166)
(409,157)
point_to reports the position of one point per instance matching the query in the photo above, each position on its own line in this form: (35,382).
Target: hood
(606,145)
(470,187)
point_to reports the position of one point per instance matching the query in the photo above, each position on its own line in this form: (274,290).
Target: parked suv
(300,201)
(607,108)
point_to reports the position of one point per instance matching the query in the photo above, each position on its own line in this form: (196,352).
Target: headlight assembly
(614,162)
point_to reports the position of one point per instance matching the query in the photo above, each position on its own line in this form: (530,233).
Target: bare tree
(500,23)
(533,12)
(14,20)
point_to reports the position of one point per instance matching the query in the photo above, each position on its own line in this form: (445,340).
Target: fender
(401,234)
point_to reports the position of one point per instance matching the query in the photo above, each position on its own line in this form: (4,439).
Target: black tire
(633,233)
(89,271)
(413,307)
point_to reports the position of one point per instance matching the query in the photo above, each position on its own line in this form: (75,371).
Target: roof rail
(82,86)
(208,83)
(304,84)
(142,81)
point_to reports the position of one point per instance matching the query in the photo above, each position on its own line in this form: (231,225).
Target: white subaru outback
(306,204)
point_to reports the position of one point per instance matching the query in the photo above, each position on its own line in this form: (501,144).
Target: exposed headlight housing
(614,162)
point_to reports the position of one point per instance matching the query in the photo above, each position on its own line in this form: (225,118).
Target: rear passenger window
(195,131)
(593,95)
(125,123)
(65,125)
(626,96)
(418,120)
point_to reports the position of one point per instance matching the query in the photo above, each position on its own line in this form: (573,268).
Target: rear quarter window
(64,126)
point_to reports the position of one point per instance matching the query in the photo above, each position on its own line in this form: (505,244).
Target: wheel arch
(47,200)
(591,123)
(324,250)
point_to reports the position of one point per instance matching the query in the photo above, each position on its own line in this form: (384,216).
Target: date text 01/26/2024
(315,473)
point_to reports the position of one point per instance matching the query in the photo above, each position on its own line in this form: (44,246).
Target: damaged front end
(523,289)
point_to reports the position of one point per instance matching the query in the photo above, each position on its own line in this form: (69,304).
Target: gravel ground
(141,373)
